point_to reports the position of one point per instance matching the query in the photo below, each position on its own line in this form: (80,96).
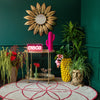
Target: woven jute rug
(41,90)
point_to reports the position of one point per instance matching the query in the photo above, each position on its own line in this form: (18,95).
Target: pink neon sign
(34,47)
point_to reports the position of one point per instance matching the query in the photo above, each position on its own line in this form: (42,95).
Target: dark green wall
(12,12)
(90,20)
(14,32)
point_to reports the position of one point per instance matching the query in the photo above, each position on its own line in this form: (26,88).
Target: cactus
(49,42)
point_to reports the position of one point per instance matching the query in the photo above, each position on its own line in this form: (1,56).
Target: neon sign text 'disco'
(34,47)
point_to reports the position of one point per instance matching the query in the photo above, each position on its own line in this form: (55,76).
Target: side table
(49,75)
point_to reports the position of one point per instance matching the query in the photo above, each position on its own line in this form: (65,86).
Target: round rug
(41,90)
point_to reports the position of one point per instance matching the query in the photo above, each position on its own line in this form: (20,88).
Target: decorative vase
(65,75)
(13,74)
(36,74)
(77,78)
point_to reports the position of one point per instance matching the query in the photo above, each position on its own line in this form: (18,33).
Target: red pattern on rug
(43,91)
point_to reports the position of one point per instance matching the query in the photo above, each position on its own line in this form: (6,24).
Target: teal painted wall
(14,32)
(90,20)
(12,12)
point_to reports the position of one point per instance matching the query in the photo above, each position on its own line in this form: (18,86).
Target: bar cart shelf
(42,76)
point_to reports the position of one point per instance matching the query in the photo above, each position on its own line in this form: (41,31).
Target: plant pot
(13,74)
(77,77)
(65,75)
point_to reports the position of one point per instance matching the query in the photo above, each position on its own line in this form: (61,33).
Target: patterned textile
(41,90)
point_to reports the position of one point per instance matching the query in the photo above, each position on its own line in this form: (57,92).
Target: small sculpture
(77,78)
(44,71)
(49,42)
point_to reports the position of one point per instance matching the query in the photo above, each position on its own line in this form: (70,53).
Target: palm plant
(74,35)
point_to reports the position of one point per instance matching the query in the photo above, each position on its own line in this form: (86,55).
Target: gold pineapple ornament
(65,66)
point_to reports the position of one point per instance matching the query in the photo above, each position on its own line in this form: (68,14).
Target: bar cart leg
(27,68)
(49,65)
(31,67)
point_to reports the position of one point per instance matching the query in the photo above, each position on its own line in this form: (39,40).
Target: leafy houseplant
(79,69)
(73,46)
(74,36)
(65,61)
(64,52)
(10,58)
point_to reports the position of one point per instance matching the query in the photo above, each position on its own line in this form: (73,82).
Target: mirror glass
(40,19)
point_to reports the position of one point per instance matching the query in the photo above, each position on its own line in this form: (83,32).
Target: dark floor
(98,98)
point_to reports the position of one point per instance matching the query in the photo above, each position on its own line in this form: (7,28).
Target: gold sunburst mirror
(40,18)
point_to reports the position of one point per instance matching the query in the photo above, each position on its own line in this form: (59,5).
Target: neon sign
(34,47)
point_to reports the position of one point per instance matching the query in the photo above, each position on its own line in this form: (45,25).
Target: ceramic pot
(77,77)
(65,75)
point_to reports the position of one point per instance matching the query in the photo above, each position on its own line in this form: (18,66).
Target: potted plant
(74,36)
(10,61)
(63,58)
(79,70)
(73,46)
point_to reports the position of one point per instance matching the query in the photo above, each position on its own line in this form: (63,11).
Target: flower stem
(36,74)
